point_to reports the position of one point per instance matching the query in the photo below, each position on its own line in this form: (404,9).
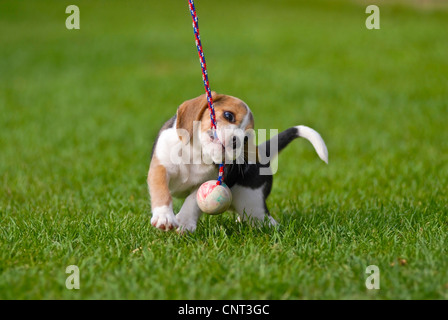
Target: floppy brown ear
(190,111)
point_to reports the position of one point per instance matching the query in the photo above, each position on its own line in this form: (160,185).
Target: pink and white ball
(213,198)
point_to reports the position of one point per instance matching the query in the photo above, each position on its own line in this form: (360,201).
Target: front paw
(186,224)
(163,218)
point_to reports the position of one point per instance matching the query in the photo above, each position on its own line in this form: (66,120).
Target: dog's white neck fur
(183,177)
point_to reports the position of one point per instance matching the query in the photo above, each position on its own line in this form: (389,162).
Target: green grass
(79,111)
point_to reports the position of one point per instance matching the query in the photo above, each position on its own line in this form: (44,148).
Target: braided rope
(197,37)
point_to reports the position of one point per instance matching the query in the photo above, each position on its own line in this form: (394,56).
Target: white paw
(272,222)
(186,224)
(163,218)
(258,221)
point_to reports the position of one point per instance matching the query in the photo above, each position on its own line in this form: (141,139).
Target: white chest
(183,174)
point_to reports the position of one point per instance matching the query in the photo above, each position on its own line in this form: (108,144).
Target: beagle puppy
(187,153)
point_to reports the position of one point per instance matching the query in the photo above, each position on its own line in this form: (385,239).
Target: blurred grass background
(80,110)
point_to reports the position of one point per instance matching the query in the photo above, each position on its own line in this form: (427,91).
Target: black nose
(234,140)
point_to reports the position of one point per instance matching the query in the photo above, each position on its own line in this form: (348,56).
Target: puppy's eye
(229,116)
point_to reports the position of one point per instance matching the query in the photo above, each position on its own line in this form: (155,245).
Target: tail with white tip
(285,137)
(316,140)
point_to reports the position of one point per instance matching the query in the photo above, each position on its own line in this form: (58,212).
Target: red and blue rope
(208,92)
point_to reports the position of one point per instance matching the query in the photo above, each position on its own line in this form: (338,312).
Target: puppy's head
(233,118)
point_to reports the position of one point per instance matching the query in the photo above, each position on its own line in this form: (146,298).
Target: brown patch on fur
(190,111)
(197,110)
(222,103)
(251,124)
(158,184)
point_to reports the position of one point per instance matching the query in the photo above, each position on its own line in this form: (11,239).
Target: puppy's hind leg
(189,214)
(251,206)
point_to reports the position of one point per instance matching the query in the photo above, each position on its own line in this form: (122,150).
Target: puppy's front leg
(161,202)
(189,214)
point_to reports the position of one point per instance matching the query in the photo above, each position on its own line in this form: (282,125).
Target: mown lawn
(79,111)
